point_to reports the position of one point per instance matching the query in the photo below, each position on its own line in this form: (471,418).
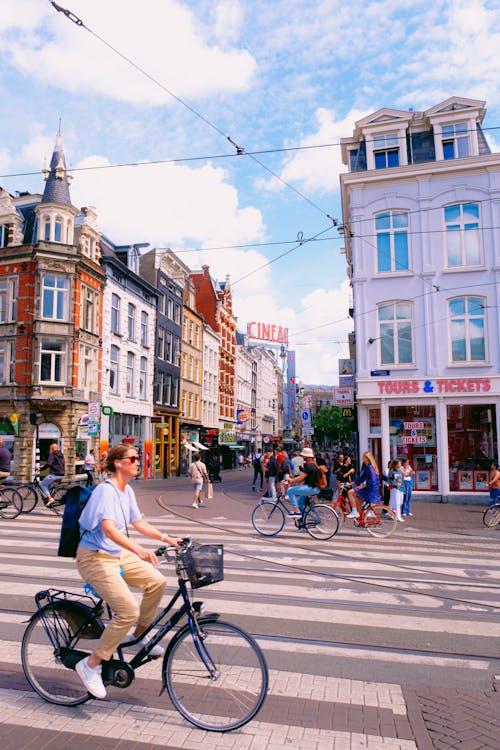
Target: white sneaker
(353,514)
(91,678)
(156,650)
(195,505)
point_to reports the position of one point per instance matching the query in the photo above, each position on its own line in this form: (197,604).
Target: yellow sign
(347,413)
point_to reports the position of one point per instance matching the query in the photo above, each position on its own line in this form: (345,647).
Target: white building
(210,386)
(421,213)
(267,397)
(129,323)
(243,386)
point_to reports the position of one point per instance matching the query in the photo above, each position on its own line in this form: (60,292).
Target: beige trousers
(102,571)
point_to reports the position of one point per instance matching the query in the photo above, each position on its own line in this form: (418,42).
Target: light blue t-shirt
(107,503)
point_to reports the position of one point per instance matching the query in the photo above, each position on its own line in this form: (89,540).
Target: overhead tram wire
(240,151)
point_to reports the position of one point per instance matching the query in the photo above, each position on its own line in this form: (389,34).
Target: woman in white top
(197,472)
(407,486)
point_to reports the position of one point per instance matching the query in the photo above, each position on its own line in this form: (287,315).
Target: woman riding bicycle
(366,488)
(106,552)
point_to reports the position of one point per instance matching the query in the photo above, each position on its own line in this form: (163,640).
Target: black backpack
(75,500)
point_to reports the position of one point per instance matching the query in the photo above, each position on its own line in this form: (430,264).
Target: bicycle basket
(202,565)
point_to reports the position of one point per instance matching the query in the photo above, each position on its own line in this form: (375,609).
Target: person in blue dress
(366,489)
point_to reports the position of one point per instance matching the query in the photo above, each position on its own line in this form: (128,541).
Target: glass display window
(413,435)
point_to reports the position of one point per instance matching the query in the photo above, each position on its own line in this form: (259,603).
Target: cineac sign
(267,332)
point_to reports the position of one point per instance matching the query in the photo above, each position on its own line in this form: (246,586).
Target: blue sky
(271,75)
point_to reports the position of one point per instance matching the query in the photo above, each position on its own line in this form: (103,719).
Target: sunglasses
(132,459)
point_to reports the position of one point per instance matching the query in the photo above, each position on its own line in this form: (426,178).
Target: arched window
(467,329)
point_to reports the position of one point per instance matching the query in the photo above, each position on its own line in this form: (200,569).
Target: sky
(157,97)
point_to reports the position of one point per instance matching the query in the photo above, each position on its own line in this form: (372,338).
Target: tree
(329,424)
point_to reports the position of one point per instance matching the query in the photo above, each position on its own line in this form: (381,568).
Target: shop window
(413,435)
(472,440)
(375,421)
(467,329)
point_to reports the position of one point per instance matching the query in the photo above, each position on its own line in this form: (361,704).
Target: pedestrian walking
(88,467)
(197,472)
(257,471)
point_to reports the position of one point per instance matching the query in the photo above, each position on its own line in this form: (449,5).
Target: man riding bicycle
(303,485)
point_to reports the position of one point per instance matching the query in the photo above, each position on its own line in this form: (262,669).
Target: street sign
(380,373)
(343,396)
(94,409)
(347,413)
(93,429)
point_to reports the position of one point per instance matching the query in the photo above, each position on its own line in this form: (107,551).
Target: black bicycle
(214,672)
(11,502)
(32,494)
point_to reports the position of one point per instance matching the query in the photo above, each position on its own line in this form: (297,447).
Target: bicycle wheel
(29,497)
(11,503)
(218,683)
(491,516)
(321,521)
(379,520)
(58,506)
(41,657)
(268,518)
(339,510)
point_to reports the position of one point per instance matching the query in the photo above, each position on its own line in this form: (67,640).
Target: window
(144,328)
(386,151)
(58,229)
(130,374)
(177,314)
(51,361)
(462,234)
(4,235)
(143,377)
(115,313)
(392,241)
(8,300)
(168,346)
(55,297)
(175,391)
(89,310)
(114,368)
(46,229)
(455,141)
(395,330)
(467,329)
(160,351)
(7,362)
(88,367)
(167,389)
(131,321)
(170,308)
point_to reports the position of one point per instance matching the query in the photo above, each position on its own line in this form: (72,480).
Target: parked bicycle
(214,672)
(491,516)
(378,519)
(11,502)
(318,519)
(32,494)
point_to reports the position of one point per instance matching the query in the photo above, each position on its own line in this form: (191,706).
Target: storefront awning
(232,446)
(189,447)
(199,446)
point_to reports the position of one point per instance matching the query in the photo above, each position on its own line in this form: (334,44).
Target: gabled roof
(457,104)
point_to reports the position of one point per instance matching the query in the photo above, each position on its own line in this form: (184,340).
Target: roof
(57,185)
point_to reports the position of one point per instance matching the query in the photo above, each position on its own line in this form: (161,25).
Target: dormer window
(386,151)
(455,141)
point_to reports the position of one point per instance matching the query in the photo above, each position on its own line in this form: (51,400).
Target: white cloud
(229,17)
(158,35)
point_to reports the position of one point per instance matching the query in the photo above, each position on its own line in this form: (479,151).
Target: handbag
(209,491)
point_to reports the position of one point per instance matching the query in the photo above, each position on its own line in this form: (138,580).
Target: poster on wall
(423,479)
(465,480)
(421,432)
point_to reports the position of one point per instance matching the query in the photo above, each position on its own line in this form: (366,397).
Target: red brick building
(214,301)
(51,291)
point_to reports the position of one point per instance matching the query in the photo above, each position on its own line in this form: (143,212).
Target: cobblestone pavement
(311,703)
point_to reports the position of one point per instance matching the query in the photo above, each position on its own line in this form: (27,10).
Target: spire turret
(57,179)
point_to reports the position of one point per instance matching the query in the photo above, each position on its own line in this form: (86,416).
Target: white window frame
(8,299)
(392,231)
(114,368)
(88,316)
(7,362)
(457,138)
(115,313)
(462,232)
(395,324)
(143,377)
(130,383)
(131,321)
(144,328)
(385,144)
(4,235)
(88,367)
(467,321)
(54,356)
(57,292)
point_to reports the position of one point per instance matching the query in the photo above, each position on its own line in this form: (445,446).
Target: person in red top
(494,483)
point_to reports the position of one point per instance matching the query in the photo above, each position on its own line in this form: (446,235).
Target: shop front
(447,427)
(165,446)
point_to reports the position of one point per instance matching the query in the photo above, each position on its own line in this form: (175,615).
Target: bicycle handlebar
(163,551)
